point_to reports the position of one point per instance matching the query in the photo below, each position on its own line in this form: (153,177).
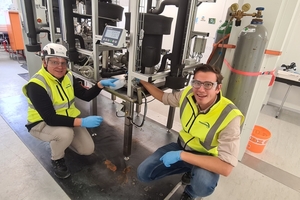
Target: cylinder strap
(272,73)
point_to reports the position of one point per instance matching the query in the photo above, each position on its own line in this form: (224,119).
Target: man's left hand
(170,158)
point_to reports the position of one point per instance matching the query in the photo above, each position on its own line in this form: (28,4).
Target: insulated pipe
(178,41)
(33,45)
(174,81)
(69,25)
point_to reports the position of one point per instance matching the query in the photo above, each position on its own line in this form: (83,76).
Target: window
(4,6)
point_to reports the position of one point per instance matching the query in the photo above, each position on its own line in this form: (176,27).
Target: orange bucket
(258,139)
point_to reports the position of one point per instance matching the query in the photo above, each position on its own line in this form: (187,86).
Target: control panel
(114,37)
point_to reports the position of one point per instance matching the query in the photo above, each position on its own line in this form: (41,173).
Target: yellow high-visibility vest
(200,132)
(61,94)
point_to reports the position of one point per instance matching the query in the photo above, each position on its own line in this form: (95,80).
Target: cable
(88,60)
(86,71)
(119,115)
(145,112)
(150,100)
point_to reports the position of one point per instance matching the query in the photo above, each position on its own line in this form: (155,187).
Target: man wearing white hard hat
(52,114)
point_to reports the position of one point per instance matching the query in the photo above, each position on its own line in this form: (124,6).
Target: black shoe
(186,178)
(60,168)
(185,196)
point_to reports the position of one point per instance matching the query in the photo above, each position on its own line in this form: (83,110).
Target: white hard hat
(55,50)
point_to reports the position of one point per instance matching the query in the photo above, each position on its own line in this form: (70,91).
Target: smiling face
(56,66)
(204,96)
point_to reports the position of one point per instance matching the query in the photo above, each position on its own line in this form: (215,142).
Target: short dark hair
(208,68)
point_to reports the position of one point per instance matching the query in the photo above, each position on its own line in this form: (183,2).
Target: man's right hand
(108,82)
(91,121)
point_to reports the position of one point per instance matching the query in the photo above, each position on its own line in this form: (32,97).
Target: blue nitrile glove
(108,82)
(170,158)
(91,121)
(135,82)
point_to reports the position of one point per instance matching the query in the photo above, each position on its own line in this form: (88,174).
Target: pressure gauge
(246,7)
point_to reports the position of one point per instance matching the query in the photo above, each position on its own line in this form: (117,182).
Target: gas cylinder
(248,56)
(218,55)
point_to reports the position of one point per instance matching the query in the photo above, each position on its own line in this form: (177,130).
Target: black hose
(81,41)
(163,62)
(46,31)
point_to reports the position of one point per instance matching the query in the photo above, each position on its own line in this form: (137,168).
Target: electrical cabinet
(14,31)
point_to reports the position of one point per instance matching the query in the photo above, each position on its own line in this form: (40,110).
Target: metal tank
(217,56)
(216,59)
(247,58)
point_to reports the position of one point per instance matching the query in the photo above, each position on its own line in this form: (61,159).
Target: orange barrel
(258,139)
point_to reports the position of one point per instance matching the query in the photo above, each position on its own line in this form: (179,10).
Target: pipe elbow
(161,6)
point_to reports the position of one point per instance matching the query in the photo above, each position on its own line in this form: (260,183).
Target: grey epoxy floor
(272,174)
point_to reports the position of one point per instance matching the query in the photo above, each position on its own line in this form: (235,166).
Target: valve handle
(260,8)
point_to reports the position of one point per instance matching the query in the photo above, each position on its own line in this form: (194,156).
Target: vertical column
(95,30)
(134,12)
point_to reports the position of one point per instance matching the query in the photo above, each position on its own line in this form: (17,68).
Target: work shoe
(185,196)
(186,178)
(60,168)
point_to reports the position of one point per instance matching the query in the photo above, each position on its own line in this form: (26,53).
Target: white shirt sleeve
(172,99)
(229,142)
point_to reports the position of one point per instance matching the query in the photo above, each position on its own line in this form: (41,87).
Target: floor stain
(110,165)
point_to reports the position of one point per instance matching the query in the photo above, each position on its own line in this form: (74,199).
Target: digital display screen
(114,34)
(113,37)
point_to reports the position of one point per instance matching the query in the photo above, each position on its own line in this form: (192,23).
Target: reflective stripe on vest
(60,93)
(201,131)
(56,107)
(41,78)
(213,130)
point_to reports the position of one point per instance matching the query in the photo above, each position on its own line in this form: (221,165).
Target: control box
(114,37)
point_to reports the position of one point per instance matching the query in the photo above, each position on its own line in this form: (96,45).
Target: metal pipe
(62,15)
(128,129)
(160,5)
(149,5)
(134,13)
(190,27)
(173,191)
(95,30)
(51,20)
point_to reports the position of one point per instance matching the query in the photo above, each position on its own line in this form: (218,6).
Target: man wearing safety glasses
(208,143)
(52,114)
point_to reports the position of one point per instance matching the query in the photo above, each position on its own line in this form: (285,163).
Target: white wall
(206,10)
(290,53)
(278,17)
